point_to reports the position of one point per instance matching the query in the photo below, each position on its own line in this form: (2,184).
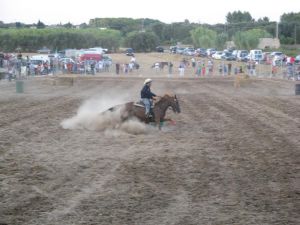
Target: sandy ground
(231,158)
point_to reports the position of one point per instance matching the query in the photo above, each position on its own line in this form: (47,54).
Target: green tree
(158,29)
(289,28)
(263,20)
(204,37)
(142,41)
(18,25)
(221,40)
(249,39)
(68,25)
(40,25)
(33,39)
(239,17)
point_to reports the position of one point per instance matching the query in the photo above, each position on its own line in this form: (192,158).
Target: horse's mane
(164,97)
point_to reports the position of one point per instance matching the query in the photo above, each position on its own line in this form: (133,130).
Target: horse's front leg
(158,123)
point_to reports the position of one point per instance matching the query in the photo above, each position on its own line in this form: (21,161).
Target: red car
(91,56)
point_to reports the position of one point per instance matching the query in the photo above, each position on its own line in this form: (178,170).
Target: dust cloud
(94,115)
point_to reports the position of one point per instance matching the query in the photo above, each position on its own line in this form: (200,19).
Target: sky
(81,11)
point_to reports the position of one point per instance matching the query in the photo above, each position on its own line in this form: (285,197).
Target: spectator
(1,59)
(117,68)
(170,67)
(193,62)
(181,69)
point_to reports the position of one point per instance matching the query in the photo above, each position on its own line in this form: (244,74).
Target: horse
(137,110)
(161,65)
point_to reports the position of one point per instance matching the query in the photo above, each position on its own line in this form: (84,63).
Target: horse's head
(173,102)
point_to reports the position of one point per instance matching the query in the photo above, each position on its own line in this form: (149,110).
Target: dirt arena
(231,158)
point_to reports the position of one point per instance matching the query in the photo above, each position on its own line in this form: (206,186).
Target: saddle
(141,104)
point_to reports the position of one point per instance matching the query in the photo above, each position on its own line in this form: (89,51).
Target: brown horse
(132,109)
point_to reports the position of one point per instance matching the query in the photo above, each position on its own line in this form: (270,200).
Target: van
(242,55)
(256,55)
(90,56)
(39,59)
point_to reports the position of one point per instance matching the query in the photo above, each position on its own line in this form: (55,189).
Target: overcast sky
(168,11)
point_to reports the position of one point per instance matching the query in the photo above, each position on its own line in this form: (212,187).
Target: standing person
(1,59)
(117,68)
(210,66)
(19,56)
(27,66)
(181,69)
(225,69)
(147,97)
(132,60)
(170,67)
(157,67)
(229,68)
(220,69)
(203,68)
(93,68)
(193,63)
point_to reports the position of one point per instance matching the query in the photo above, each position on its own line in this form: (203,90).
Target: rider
(147,96)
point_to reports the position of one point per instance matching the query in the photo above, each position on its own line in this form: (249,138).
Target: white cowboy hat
(147,81)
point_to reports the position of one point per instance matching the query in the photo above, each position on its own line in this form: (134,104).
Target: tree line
(145,34)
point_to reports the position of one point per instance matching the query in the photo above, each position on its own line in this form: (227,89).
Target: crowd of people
(16,65)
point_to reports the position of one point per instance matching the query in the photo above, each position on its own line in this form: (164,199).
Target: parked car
(256,55)
(297,59)
(179,50)
(189,51)
(90,56)
(217,55)
(242,55)
(173,49)
(66,60)
(39,59)
(211,51)
(278,56)
(44,50)
(228,56)
(160,49)
(129,52)
(201,52)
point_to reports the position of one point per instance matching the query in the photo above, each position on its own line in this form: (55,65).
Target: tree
(61,38)
(221,40)
(68,25)
(83,26)
(263,20)
(290,18)
(40,25)
(239,17)
(158,29)
(289,28)
(141,41)
(204,37)
(249,39)
(18,25)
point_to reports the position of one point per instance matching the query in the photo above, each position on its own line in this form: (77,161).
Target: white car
(211,51)
(217,55)
(277,56)
(66,60)
(256,55)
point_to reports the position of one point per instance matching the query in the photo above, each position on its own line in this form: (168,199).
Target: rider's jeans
(147,104)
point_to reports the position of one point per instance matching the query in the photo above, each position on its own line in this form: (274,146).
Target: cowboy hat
(147,81)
